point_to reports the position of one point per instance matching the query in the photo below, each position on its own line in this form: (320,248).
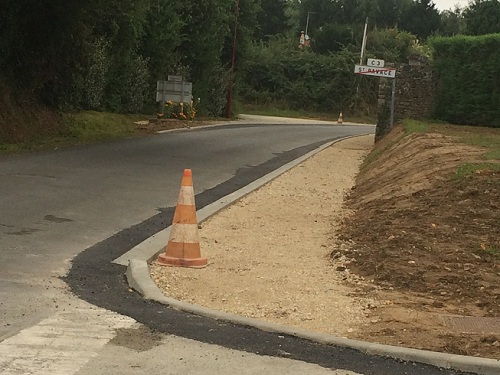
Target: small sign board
(175,91)
(377,72)
(174,78)
(376,63)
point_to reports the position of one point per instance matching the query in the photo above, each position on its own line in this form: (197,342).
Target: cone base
(165,260)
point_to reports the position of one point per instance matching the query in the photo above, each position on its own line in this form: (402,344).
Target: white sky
(449,4)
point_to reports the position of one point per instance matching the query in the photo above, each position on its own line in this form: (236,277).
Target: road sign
(174,78)
(177,92)
(376,63)
(377,72)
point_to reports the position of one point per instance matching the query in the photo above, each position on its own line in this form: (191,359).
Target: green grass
(467,169)
(91,126)
(486,138)
(493,155)
(414,126)
(80,128)
(492,251)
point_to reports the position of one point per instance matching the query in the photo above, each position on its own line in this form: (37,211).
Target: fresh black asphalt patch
(94,278)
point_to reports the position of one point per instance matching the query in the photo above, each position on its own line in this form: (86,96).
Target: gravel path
(268,252)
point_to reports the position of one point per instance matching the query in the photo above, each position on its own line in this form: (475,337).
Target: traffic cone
(339,121)
(183,248)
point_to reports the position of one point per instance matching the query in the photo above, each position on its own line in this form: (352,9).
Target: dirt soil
(392,259)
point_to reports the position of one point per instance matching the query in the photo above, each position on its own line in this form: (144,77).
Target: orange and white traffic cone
(339,121)
(183,248)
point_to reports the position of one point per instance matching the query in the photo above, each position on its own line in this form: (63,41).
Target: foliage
(391,45)
(388,13)
(421,19)
(79,128)
(87,126)
(107,55)
(179,111)
(335,37)
(272,19)
(94,74)
(452,22)
(468,68)
(292,78)
(482,17)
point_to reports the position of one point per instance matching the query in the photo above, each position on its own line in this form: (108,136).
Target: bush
(300,79)
(468,68)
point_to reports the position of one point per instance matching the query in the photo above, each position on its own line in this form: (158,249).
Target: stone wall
(415,95)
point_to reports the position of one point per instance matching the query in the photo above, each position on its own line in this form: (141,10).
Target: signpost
(375,67)
(377,72)
(175,89)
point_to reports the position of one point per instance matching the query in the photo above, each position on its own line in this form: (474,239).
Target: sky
(449,4)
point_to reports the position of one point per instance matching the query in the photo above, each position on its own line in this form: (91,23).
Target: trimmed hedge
(468,68)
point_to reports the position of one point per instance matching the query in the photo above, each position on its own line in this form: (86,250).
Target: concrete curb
(139,279)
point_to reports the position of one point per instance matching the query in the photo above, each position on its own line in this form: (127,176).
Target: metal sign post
(393,100)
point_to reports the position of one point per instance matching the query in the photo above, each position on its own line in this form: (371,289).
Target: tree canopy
(483,17)
(108,54)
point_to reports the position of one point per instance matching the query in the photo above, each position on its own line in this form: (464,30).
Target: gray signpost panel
(174,90)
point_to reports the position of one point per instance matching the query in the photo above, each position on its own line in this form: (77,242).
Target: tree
(272,19)
(452,22)
(387,13)
(162,38)
(421,19)
(390,44)
(482,17)
(335,37)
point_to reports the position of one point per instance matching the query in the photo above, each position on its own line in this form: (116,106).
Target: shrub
(468,68)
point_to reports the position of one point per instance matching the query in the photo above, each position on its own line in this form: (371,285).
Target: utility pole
(307,22)
(363,45)
(231,74)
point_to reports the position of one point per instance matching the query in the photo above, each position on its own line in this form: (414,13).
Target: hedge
(468,69)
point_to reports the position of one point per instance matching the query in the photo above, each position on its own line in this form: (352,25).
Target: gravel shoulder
(269,252)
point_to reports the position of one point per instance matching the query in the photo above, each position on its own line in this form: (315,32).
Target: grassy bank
(77,129)
(485,138)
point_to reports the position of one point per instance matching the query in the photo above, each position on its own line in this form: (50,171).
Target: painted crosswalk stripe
(62,343)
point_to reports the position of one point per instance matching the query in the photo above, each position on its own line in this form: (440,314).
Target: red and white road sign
(377,72)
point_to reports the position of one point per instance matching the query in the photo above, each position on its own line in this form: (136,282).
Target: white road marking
(62,343)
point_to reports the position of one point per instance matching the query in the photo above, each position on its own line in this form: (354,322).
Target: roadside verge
(138,276)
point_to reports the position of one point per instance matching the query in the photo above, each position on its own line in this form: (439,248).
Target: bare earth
(294,253)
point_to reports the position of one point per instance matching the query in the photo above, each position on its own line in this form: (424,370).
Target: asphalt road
(86,206)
